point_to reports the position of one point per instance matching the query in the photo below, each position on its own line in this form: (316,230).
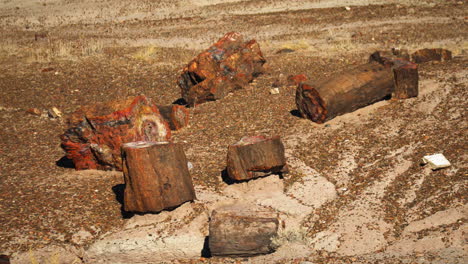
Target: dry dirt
(356,192)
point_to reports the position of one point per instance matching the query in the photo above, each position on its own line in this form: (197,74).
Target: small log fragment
(254,157)
(227,65)
(96,132)
(177,116)
(406,79)
(345,92)
(425,55)
(295,80)
(242,232)
(156,176)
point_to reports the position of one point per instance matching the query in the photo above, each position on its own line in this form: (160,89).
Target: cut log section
(96,132)
(254,157)
(156,176)
(345,92)
(227,65)
(177,116)
(425,55)
(242,232)
(406,79)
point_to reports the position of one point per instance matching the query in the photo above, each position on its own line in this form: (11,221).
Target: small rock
(54,113)
(34,111)
(348,8)
(436,161)
(190,165)
(81,237)
(286,50)
(274,91)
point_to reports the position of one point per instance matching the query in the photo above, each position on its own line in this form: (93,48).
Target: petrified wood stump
(425,55)
(345,92)
(254,157)
(177,116)
(156,176)
(405,78)
(239,232)
(227,65)
(96,132)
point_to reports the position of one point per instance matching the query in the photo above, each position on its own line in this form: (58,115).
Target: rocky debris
(151,238)
(156,176)
(54,113)
(241,231)
(49,254)
(426,55)
(436,161)
(227,65)
(285,50)
(274,90)
(34,111)
(96,132)
(355,88)
(394,53)
(254,157)
(177,116)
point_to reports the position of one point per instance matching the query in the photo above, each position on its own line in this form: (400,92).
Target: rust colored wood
(425,55)
(241,232)
(254,157)
(227,65)
(96,132)
(156,176)
(345,92)
(406,79)
(177,116)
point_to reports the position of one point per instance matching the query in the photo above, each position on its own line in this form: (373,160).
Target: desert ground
(356,191)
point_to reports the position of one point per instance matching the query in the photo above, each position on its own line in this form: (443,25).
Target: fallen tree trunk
(227,65)
(345,92)
(240,232)
(156,176)
(254,157)
(96,132)
(425,55)
(177,116)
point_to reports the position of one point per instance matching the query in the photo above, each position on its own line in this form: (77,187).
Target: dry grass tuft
(147,53)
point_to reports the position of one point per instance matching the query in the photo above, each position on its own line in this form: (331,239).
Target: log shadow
(226,179)
(180,101)
(229,181)
(65,162)
(296,113)
(206,253)
(119,196)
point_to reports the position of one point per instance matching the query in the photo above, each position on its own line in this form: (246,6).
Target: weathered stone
(227,65)
(96,132)
(425,55)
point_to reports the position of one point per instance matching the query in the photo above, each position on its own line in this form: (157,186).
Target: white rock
(436,161)
(274,91)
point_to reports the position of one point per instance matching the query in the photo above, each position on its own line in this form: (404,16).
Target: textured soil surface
(385,207)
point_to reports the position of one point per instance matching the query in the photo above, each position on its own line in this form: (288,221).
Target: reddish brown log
(227,65)
(240,232)
(345,92)
(296,79)
(254,157)
(406,79)
(156,176)
(97,132)
(177,116)
(425,55)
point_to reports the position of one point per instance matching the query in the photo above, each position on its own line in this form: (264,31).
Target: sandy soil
(356,192)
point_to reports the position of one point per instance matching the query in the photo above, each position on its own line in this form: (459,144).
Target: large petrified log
(227,65)
(254,157)
(358,87)
(241,231)
(177,116)
(96,132)
(156,176)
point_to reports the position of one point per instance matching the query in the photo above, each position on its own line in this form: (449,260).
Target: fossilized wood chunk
(425,55)
(156,176)
(96,132)
(254,157)
(239,232)
(177,116)
(227,65)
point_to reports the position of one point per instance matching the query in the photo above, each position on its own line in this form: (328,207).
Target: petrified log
(239,232)
(177,116)
(227,65)
(425,55)
(296,79)
(254,157)
(405,78)
(156,176)
(96,132)
(345,92)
